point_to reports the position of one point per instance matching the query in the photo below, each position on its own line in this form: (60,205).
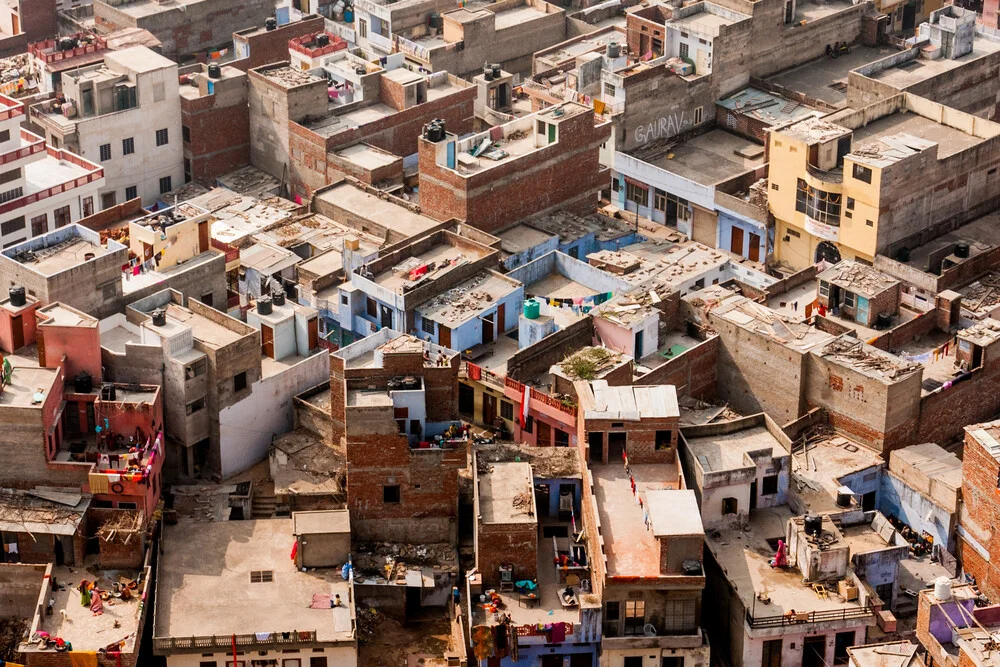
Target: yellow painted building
(821,199)
(874,180)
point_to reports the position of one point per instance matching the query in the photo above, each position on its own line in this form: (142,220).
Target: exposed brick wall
(271,46)
(219,132)
(396,134)
(640,437)
(566,174)
(501,544)
(981,516)
(692,372)
(531,361)
(38,19)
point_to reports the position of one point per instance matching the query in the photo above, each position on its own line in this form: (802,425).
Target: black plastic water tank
(962,250)
(813,525)
(883,321)
(322,40)
(278,297)
(214,71)
(159,317)
(271,24)
(83,383)
(264,305)
(17,298)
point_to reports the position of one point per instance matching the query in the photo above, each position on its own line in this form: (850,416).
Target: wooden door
(736,240)
(489,409)
(40,345)
(754,252)
(203,236)
(488,329)
(501,312)
(17,326)
(313,326)
(267,340)
(544,434)
(444,336)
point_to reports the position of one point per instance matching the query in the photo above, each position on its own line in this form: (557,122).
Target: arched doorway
(827,252)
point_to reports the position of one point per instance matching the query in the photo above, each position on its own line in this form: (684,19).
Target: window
(679,617)
(769,485)
(507,410)
(390,494)
(427,325)
(529,424)
(636,194)
(8,176)
(110,290)
(318,661)
(848,214)
(128,146)
(774,186)
(362,28)
(635,616)
(869,223)
(672,661)
(159,92)
(793,233)
(196,369)
(698,111)
(5,136)
(821,206)
(664,439)
(371,308)
(12,226)
(612,611)
(609,89)
(261,576)
(185,134)
(40,224)
(240,381)
(824,288)
(632,661)
(105,152)
(771,655)
(291,662)
(62,216)
(684,51)
(88,206)
(208,663)
(131,192)
(862,173)
(108,199)
(195,406)
(850,203)
(162,137)
(165,185)
(848,299)
(729,505)
(128,506)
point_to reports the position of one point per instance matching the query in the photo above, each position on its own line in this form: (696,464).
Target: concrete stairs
(264,506)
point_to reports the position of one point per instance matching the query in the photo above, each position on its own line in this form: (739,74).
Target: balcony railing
(478,373)
(783,620)
(214,643)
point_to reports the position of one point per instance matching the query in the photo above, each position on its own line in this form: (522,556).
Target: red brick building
(978,541)
(215,122)
(296,122)
(389,402)
(259,46)
(531,165)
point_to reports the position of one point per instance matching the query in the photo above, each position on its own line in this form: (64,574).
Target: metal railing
(784,620)
(225,642)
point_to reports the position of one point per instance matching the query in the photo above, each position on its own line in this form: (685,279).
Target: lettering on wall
(665,126)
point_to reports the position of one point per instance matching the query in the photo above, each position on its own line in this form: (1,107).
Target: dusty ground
(386,642)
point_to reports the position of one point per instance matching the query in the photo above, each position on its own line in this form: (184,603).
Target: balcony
(216,644)
(832,177)
(657,639)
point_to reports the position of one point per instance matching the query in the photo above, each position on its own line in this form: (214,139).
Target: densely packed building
(591,334)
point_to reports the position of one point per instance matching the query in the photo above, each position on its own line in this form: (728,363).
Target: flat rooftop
(570,227)
(707,159)
(204,563)
(303,464)
(567,51)
(824,78)
(917,70)
(507,494)
(674,512)
(368,157)
(631,549)
(703,22)
(440,259)
(728,451)
(899,135)
(546,462)
(818,468)
(745,555)
(980,234)
(769,108)
(61,315)
(521,237)
(61,256)
(631,403)
(460,304)
(205,330)
(77,624)
(517,16)
(387,214)
(288,76)
(858,278)
(868,360)
(28,387)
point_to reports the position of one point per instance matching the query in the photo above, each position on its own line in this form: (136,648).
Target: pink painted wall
(613,336)
(7,315)
(80,345)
